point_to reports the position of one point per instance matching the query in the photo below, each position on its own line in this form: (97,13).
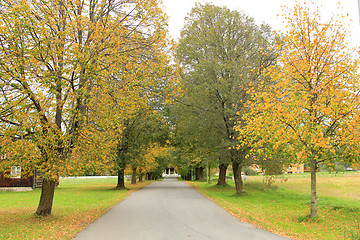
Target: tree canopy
(221,52)
(55,58)
(309,113)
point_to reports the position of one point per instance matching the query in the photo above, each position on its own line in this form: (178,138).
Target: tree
(138,91)
(143,122)
(144,129)
(310,112)
(155,160)
(53,54)
(196,140)
(222,51)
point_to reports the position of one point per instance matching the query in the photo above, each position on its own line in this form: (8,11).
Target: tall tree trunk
(141,176)
(201,172)
(313,212)
(121,179)
(197,174)
(239,185)
(188,177)
(222,174)
(133,176)
(46,198)
(209,172)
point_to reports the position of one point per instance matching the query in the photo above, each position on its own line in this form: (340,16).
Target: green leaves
(221,52)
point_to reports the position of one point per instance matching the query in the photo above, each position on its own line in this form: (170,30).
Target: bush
(339,168)
(250,172)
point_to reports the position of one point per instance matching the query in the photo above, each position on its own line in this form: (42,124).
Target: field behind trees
(283,207)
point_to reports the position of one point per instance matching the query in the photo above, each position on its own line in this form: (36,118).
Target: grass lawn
(77,203)
(283,208)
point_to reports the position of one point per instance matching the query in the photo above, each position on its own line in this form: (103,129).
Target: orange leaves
(149,162)
(311,106)
(75,64)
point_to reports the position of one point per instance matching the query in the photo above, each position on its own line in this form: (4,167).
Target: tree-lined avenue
(170,210)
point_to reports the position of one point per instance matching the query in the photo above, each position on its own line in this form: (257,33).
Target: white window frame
(15,172)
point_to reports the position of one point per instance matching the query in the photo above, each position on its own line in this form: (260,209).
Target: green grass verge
(284,207)
(77,203)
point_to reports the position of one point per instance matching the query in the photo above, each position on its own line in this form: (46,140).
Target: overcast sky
(261,11)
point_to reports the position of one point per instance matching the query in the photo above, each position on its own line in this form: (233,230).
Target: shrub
(250,172)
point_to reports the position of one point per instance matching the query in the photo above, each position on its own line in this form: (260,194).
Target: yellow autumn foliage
(309,109)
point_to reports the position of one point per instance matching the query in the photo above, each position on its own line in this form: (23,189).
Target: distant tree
(221,52)
(195,139)
(310,113)
(137,96)
(144,129)
(156,159)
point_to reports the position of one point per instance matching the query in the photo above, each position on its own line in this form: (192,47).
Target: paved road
(171,210)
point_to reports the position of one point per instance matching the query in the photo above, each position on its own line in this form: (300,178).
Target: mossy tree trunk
(239,185)
(121,180)
(46,198)
(313,211)
(133,176)
(222,174)
(141,175)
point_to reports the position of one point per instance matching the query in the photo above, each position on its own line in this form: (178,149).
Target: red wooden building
(15,178)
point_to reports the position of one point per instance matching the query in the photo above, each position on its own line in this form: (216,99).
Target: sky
(262,11)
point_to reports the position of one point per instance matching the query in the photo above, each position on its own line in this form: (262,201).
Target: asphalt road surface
(171,210)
